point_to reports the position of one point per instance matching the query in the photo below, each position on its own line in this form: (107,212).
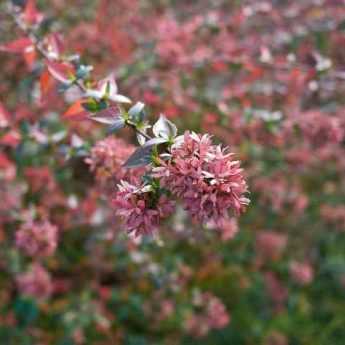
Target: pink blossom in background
(334,215)
(134,205)
(196,326)
(11,195)
(229,228)
(37,238)
(320,129)
(7,168)
(205,177)
(39,178)
(218,317)
(301,272)
(106,160)
(281,193)
(276,338)
(36,282)
(276,290)
(167,308)
(213,315)
(4,116)
(11,138)
(270,244)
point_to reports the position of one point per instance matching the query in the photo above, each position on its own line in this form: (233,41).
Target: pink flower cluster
(218,317)
(321,129)
(334,214)
(107,158)
(37,238)
(301,272)
(213,316)
(136,205)
(281,194)
(35,283)
(270,245)
(276,290)
(205,177)
(40,178)
(276,338)
(229,228)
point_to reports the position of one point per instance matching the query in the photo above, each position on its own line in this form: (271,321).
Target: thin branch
(40,48)
(38,44)
(138,131)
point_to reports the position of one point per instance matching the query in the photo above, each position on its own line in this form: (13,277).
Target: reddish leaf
(30,57)
(4,116)
(12,139)
(7,168)
(46,82)
(76,111)
(110,112)
(60,71)
(54,44)
(18,46)
(31,15)
(4,161)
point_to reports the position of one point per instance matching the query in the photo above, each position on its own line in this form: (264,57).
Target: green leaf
(117,125)
(26,311)
(90,106)
(155,141)
(108,116)
(141,157)
(164,128)
(83,71)
(93,106)
(136,113)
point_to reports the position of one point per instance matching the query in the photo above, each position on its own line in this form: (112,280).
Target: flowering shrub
(219,177)
(118,226)
(106,161)
(35,282)
(141,207)
(37,239)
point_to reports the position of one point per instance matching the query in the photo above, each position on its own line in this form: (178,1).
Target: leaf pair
(164,131)
(110,116)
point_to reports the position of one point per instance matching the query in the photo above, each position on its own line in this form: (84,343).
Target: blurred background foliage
(266,78)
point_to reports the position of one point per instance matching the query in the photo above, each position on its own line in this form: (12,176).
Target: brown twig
(38,44)
(30,33)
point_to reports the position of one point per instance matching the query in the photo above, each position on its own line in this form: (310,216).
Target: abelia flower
(276,338)
(36,282)
(321,129)
(7,168)
(270,244)
(213,315)
(37,238)
(301,272)
(167,309)
(11,200)
(229,228)
(334,214)
(139,209)
(205,177)
(4,116)
(107,158)
(218,316)
(40,178)
(276,290)
(281,193)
